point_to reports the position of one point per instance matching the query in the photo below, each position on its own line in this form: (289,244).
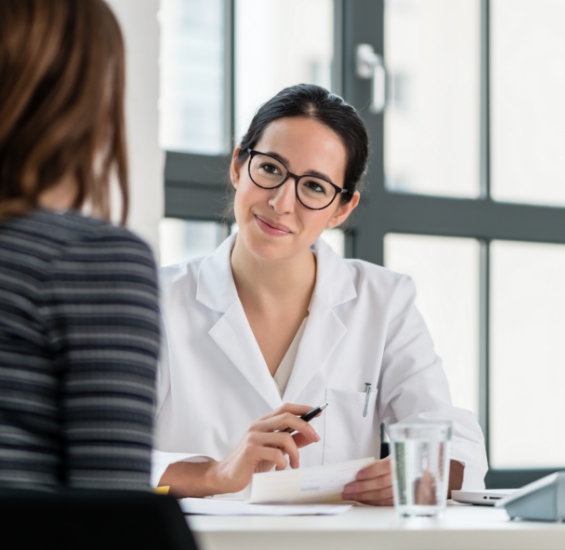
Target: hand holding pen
(268,443)
(310,415)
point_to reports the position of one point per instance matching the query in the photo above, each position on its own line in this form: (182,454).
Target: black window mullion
(363,23)
(484,265)
(484,342)
(195,186)
(229,75)
(337,61)
(484,145)
(473,218)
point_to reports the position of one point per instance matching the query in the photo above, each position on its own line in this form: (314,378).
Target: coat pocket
(348,434)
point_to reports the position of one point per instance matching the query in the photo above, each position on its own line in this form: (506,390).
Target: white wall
(142,35)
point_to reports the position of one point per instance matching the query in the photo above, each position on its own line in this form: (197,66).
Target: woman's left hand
(373,485)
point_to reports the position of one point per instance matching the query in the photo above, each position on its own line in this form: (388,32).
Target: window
(464,190)
(528,120)
(192,76)
(431,142)
(527,351)
(478,116)
(446,273)
(279,43)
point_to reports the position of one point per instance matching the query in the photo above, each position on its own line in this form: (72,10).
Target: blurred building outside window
(432,56)
(192,76)
(527,91)
(279,43)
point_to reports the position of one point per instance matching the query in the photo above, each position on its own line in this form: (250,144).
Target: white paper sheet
(313,485)
(218,507)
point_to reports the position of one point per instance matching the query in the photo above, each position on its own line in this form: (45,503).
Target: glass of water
(420,467)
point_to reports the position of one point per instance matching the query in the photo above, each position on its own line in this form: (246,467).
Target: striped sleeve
(102,325)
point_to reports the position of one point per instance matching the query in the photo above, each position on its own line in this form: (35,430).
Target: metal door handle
(370,66)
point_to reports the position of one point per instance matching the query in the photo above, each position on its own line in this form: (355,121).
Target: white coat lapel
(232,333)
(235,338)
(324,329)
(323,332)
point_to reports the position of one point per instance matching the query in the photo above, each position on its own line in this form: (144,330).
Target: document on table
(219,507)
(313,485)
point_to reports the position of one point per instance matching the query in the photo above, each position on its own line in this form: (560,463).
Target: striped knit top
(79,341)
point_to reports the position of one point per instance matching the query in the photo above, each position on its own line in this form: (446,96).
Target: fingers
(280,440)
(377,469)
(284,421)
(378,497)
(387,502)
(293,408)
(275,456)
(274,430)
(301,440)
(287,418)
(375,484)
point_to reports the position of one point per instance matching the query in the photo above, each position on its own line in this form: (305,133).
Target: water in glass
(420,464)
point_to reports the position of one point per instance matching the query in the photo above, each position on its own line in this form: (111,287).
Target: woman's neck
(61,196)
(264,283)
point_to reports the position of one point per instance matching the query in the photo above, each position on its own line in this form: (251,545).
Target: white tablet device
(485,497)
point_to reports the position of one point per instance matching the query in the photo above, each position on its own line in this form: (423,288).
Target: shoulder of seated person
(72,227)
(370,277)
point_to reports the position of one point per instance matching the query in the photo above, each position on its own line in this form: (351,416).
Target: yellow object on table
(164,490)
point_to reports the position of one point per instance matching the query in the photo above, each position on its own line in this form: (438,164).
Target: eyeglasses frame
(296,178)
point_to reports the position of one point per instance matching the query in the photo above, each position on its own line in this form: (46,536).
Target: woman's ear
(235,167)
(344,210)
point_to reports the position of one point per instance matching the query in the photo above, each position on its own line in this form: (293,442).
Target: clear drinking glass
(420,467)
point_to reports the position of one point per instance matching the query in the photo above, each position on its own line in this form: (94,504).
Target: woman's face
(273,224)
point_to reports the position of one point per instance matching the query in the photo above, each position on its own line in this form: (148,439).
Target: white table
(462,528)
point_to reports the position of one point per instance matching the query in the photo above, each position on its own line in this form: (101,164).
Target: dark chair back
(88,520)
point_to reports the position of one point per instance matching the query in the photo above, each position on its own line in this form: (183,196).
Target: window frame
(196,186)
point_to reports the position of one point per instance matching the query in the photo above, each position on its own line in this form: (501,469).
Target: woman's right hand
(263,446)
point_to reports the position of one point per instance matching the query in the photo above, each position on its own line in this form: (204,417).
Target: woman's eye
(315,187)
(270,168)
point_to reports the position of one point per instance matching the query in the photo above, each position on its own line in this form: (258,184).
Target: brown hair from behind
(62,85)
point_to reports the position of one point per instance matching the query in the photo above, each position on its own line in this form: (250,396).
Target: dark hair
(308,100)
(61,103)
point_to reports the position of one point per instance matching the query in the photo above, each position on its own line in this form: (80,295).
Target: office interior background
(466,186)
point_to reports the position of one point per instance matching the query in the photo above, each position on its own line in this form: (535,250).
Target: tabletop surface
(462,527)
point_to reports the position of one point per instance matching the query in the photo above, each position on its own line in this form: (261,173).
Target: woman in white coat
(275,323)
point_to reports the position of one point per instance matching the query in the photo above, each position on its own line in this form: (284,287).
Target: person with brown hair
(79,319)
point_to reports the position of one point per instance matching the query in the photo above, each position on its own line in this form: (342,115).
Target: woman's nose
(283,199)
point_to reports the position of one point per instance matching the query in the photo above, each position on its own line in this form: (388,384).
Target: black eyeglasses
(313,192)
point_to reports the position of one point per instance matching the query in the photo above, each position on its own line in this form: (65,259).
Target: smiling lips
(272,228)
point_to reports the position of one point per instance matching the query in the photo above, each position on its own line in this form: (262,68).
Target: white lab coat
(363,327)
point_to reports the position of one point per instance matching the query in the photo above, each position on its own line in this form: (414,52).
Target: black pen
(308,416)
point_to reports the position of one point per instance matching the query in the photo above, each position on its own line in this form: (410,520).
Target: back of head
(61,103)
